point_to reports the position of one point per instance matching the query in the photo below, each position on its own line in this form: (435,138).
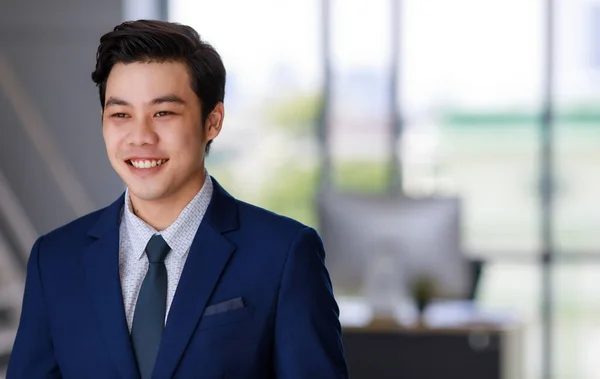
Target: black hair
(161,41)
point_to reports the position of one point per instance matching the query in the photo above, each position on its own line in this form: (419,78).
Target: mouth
(146,163)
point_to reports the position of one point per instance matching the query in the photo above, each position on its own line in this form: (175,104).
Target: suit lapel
(208,257)
(101,262)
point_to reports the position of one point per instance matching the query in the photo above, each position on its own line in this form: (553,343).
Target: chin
(146,190)
(147,194)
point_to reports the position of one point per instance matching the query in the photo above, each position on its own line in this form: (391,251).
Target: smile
(146,163)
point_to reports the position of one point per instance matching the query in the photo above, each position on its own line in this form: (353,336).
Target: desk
(423,353)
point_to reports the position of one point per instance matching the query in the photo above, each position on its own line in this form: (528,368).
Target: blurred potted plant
(423,292)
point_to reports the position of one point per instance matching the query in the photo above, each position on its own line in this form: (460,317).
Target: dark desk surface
(384,351)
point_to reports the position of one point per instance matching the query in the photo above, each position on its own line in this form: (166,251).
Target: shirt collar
(180,234)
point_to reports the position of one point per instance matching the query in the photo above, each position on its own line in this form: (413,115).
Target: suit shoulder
(79,226)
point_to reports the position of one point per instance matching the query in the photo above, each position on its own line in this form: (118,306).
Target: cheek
(107,139)
(112,140)
(182,143)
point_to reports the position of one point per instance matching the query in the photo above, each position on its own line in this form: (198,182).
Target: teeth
(147,163)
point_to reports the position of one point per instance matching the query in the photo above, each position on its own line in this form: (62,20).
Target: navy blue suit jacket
(73,322)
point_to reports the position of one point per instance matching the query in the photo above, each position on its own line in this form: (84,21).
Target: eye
(120,115)
(163,113)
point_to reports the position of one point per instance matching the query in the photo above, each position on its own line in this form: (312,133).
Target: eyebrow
(168,99)
(115,101)
(159,100)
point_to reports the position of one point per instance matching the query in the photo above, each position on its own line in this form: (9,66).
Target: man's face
(152,127)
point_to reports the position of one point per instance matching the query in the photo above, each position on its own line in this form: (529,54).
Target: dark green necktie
(150,309)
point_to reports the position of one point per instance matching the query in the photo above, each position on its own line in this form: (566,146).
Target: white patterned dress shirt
(134,235)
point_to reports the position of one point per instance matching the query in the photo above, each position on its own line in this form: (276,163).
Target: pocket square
(224,306)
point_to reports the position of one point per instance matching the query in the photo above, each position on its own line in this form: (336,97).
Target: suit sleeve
(32,356)
(308,342)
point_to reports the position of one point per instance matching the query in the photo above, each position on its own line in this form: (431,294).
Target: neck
(161,213)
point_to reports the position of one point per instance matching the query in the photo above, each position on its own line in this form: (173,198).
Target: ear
(214,121)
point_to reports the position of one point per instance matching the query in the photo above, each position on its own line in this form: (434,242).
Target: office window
(471,86)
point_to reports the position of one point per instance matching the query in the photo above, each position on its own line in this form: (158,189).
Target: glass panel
(470,92)
(360,102)
(515,289)
(578,127)
(577,327)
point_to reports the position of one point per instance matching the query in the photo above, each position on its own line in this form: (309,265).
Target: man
(176,279)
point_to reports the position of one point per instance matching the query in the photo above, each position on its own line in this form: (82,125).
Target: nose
(143,133)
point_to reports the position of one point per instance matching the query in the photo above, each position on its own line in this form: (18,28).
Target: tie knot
(157,249)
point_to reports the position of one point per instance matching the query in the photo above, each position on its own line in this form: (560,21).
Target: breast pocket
(226,318)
